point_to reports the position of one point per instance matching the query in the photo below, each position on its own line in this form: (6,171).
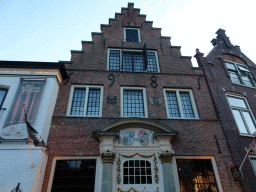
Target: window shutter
(145,57)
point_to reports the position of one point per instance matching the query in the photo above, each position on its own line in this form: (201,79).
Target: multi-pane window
(242,114)
(137,172)
(133,102)
(3,92)
(180,104)
(74,175)
(131,35)
(196,175)
(132,61)
(240,74)
(86,101)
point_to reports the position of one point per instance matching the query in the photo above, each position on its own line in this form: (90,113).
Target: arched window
(137,172)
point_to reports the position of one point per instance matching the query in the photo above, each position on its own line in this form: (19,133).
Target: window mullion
(86,100)
(179,104)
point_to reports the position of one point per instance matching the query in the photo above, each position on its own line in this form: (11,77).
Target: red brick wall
(72,136)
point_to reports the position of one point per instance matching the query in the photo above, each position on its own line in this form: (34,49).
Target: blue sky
(46,30)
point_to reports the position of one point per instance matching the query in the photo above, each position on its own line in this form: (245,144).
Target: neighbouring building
(136,116)
(231,78)
(36,85)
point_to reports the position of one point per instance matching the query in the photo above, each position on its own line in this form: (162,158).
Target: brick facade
(220,84)
(72,136)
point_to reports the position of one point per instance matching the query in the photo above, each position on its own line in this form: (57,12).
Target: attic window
(131,35)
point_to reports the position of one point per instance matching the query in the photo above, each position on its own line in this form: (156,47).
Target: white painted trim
(214,165)
(87,87)
(133,50)
(144,99)
(192,100)
(248,110)
(139,39)
(98,174)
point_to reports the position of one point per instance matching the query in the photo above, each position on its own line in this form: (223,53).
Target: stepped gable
(112,36)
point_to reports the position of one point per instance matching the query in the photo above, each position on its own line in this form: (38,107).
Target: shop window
(196,175)
(74,175)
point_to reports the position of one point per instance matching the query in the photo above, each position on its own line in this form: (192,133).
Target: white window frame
(139,40)
(236,65)
(214,166)
(192,100)
(133,51)
(87,87)
(248,109)
(137,158)
(144,100)
(98,171)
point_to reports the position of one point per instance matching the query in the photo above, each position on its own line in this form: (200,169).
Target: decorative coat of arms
(143,137)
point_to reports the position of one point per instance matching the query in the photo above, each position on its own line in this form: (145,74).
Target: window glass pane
(137,172)
(172,104)
(249,121)
(133,104)
(243,68)
(239,121)
(74,175)
(236,102)
(234,77)
(196,175)
(2,96)
(253,161)
(132,35)
(127,62)
(152,65)
(231,66)
(78,102)
(138,62)
(186,105)
(246,80)
(93,106)
(132,62)
(114,60)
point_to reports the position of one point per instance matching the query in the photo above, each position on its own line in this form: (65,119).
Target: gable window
(196,175)
(240,74)
(3,93)
(131,35)
(74,175)
(242,114)
(132,60)
(133,102)
(137,172)
(85,101)
(180,103)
